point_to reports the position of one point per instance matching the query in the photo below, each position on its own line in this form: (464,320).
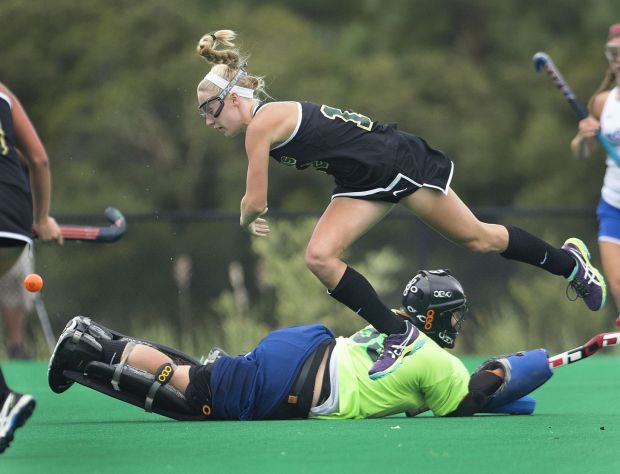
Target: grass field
(576,428)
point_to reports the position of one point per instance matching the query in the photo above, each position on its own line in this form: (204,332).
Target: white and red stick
(586,350)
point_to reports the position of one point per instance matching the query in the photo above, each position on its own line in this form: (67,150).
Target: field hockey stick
(586,350)
(543,61)
(108,234)
(44,319)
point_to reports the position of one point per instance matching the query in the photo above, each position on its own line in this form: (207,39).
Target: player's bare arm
(584,142)
(31,148)
(270,126)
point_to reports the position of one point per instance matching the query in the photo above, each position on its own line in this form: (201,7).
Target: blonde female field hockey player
(375,166)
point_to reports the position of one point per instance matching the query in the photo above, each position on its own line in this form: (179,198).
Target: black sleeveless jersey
(358,152)
(11,171)
(15,197)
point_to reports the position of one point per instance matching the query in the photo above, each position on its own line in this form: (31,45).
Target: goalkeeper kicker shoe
(395,348)
(586,280)
(77,345)
(16,409)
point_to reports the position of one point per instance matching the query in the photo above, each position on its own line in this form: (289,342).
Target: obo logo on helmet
(430,316)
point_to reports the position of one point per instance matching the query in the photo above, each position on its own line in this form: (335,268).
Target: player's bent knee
(317,262)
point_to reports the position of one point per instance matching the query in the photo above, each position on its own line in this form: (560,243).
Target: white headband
(220,82)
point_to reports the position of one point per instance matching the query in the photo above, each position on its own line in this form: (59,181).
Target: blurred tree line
(110,87)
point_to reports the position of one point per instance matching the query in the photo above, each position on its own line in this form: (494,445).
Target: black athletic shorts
(15,216)
(198,391)
(417,165)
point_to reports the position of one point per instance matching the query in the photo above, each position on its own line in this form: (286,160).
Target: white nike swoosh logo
(399,191)
(544,259)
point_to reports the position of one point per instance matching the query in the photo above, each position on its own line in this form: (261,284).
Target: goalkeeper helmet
(435,302)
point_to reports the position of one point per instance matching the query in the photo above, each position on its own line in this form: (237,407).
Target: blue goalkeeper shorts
(609,222)
(252,386)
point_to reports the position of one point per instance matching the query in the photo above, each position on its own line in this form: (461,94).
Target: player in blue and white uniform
(375,166)
(604,108)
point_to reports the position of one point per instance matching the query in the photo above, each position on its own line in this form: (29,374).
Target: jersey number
(4,148)
(360,120)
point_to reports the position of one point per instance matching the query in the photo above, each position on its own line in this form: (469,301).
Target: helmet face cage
(436,303)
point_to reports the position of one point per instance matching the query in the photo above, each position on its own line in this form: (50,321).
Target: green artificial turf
(576,428)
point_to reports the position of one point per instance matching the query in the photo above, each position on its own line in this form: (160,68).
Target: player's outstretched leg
(16,409)
(586,280)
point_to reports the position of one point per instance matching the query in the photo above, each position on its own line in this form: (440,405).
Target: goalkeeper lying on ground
(305,371)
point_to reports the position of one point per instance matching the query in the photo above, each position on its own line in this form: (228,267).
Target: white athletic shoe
(16,409)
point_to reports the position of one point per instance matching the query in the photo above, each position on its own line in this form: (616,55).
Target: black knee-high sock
(355,292)
(112,350)
(525,247)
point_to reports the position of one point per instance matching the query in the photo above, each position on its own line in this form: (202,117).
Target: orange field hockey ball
(33,282)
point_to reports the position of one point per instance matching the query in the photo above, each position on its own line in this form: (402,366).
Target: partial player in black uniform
(374,166)
(20,212)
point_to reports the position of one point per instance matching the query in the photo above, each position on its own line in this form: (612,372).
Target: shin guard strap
(119,368)
(162,377)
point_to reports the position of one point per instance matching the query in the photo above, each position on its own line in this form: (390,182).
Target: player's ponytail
(207,48)
(226,62)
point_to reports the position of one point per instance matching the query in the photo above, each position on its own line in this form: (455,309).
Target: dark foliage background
(111,88)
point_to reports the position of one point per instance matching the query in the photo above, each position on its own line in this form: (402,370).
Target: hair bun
(207,41)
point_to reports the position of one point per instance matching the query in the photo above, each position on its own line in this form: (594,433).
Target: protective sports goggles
(612,52)
(213,105)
